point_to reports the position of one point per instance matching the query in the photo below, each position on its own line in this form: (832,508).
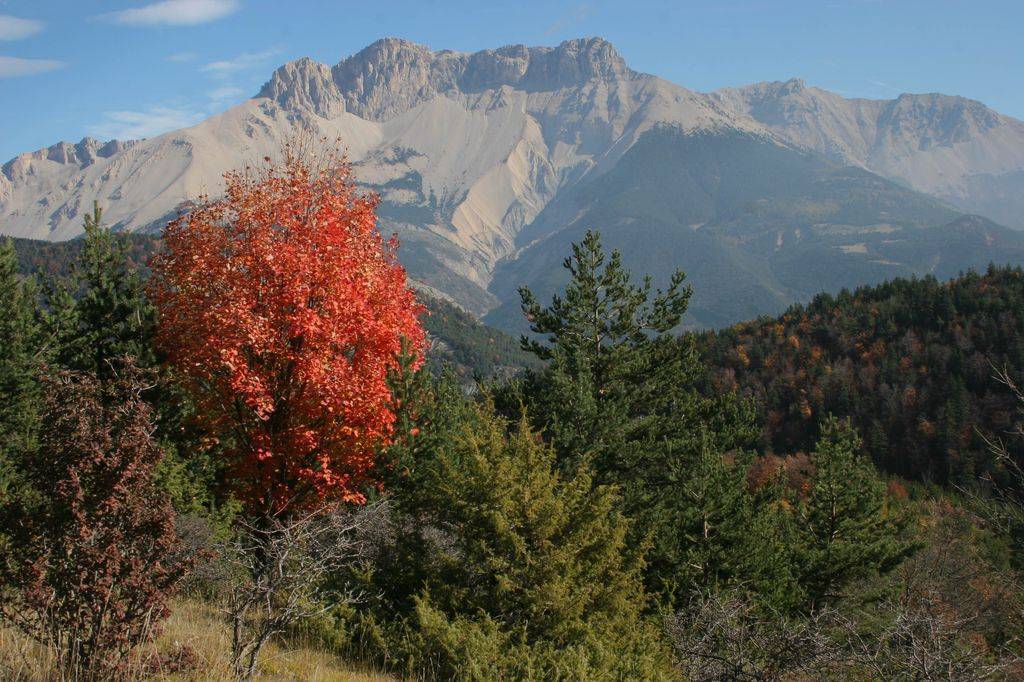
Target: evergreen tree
(844,528)
(104,315)
(100,315)
(22,350)
(619,394)
(513,570)
(724,535)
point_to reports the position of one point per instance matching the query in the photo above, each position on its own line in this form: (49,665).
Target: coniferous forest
(257,414)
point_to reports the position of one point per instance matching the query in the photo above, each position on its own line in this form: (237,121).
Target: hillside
(457,340)
(911,362)
(487,163)
(754,224)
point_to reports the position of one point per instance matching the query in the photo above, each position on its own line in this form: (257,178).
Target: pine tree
(104,314)
(724,535)
(619,394)
(22,350)
(844,528)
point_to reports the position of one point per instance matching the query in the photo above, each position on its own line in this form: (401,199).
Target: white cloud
(131,125)
(175,13)
(227,93)
(15,28)
(182,57)
(242,62)
(11,67)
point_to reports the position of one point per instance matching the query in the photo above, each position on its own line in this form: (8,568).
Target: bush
(520,573)
(100,553)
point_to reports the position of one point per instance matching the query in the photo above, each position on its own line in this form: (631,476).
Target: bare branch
(282,564)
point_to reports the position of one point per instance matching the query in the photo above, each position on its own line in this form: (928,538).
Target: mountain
(488,163)
(953,148)
(755,225)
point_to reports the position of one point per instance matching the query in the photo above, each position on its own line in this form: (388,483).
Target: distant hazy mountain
(489,163)
(954,148)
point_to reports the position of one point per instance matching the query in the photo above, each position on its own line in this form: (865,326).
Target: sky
(136,68)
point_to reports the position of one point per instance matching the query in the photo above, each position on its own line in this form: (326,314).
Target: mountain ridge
(932,142)
(391,75)
(475,154)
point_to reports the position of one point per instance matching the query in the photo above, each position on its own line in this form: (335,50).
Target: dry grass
(197,626)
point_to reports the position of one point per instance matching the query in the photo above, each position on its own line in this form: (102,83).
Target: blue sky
(130,68)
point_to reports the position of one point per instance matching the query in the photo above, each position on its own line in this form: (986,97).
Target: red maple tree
(284,308)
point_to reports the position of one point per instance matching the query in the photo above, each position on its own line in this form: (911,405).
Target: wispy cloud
(131,125)
(886,86)
(227,67)
(175,13)
(226,94)
(182,57)
(577,15)
(11,67)
(16,28)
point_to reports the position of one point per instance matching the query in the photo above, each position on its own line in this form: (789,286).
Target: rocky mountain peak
(793,86)
(392,75)
(934,119)
(83,153)
(304,84)
(574,61)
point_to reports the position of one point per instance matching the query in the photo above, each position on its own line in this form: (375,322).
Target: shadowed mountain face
(488,164)
(754,224)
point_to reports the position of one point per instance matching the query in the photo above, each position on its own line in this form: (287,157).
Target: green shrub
(522,572)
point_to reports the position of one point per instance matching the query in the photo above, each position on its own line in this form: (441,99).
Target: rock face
(480,159)
(392,76)
(305,85)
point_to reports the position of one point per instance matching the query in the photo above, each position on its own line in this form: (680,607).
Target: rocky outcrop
(392,75)
(305,85)
(83,154)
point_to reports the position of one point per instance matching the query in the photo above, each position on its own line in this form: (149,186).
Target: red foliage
(285,308)
(99,557)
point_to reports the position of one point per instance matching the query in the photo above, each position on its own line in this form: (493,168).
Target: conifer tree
(22,349)
(619,393)
(512,569)
(104,315)
(726,536)
(844,529)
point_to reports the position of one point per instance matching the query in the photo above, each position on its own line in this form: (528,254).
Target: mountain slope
(755,225)
(950,147)
(478,156)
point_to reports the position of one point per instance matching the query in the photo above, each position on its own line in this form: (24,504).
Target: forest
(258,416)
(910,362)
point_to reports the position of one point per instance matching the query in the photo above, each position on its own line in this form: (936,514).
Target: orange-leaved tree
(284,310)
